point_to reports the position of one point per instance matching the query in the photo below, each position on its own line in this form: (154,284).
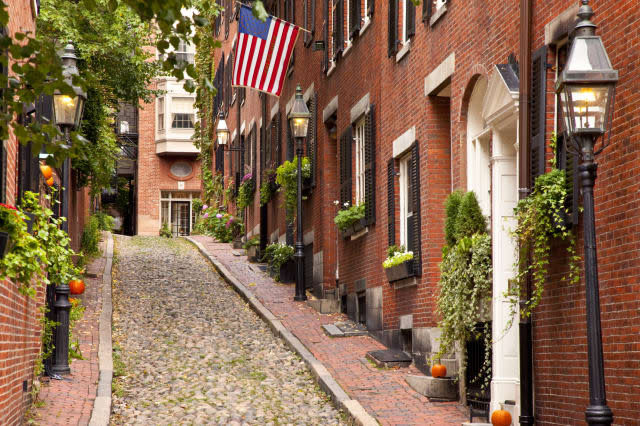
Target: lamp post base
(300,296)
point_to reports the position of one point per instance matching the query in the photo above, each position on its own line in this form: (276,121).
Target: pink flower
(206,215)
(219,215)
(205,207)
(246,177)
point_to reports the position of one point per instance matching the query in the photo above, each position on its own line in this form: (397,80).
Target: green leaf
(259,11)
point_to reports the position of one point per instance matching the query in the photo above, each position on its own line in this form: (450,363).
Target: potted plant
(398,264)
(350,219)
(279,256)
(251,246)
(269,187)
(246,191)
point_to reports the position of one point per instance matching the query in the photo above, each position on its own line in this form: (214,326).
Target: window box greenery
(246,191)
(350,219)
(279,256)
(269,187)
(399,264)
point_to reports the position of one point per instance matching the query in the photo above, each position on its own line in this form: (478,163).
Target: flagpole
(299,27)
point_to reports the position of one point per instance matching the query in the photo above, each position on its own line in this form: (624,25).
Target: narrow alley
(190,351)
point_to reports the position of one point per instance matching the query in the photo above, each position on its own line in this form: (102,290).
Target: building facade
(168,170)
(410,103)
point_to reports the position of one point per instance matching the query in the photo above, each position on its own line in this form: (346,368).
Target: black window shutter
(254,152)
(290,144)
(415,232)
(312,144)
(309,9)
(227,21)
(354,18)
(426,10)
(275,138)
(325,35)
(371,7)
(3,173)
(370,166)
(392,42)
(411,19)
(538,112)
(391,202)
(567,160)
(243,142)
(338,29)
(345,167)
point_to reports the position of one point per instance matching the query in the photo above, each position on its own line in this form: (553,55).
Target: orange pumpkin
(46,170)
(501,418)
(438,370)
(76,286)
(50,181)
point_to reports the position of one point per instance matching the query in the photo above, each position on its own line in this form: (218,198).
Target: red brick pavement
(70,401)
(382,392)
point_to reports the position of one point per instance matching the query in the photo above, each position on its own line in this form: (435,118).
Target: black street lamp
(586,88)
(299,122)
(67,111)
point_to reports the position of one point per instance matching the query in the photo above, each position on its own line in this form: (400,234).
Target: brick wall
(19,315)
(480,37)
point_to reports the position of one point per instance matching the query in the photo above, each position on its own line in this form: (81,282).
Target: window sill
(405,283)
(406,48)
(331,69)
(360,233)
(347,48)
(367,24)
(436,16)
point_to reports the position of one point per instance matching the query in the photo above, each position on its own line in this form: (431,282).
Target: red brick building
(168,171)
(409,103)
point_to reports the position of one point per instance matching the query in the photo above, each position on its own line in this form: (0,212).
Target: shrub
(287,178)
(349,216)
(90,239)
(451,207)
(277,254)
(246,191)
(165,231)
(268,187)
(105,221)
(252,242)
(469,219)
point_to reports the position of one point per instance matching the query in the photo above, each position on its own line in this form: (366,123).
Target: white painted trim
(282,238)
(367,24)
(309,92)
(360,107)
(348,48)
(256,230)
(274,110)
(331,107)
(252,123)
(436,16)
(233,136)
(260,123)
(274,236)
(332,67)
(360,233)
(290,104)
(404,142)
(242,127)
(558,28)
(439,75)
(406,48)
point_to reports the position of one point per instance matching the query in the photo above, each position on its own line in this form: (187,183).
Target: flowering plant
(268,187)
(349,216)
(287,178)
(397,258)
(246,191)
(277,254)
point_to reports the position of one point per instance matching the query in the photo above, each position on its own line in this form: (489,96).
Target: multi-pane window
(406,199)
(182,121)
(182,113)
(479,161)
(359,137)
(185,53)
(160,105)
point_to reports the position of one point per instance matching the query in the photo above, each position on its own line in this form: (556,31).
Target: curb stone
(102,404)
(326,381)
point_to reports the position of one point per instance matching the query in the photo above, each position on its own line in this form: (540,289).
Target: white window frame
(186,49)
(438,4)
(360,175)
(161,113)
(479,160)
(169,199)
(404,179)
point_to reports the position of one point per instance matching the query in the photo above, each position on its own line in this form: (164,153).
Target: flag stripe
(263,52)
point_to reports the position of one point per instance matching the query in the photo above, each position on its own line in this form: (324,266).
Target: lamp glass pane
(588,54)
(299,126)
(66,109)
(223,137)
(585,107)
(79,110)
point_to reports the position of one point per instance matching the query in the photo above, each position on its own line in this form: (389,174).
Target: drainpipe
(525,325)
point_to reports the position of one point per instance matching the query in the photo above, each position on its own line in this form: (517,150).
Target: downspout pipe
(524,182)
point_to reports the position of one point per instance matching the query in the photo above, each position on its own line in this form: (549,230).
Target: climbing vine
(287,179)
(540,219)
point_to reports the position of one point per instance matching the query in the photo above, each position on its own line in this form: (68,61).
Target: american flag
(263,52)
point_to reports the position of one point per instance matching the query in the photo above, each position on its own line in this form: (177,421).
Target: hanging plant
(269,187)
(465,280)
(246,191)
(287,178)
(540,221)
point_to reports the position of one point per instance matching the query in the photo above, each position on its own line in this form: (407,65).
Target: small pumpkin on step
(438,370)
(501,418)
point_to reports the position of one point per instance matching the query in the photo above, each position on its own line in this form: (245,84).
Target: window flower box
(287,272)
(400,271)
(354,229)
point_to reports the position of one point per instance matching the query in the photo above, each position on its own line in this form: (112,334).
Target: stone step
(389,358)
(441,389)
(476,424)
(325,306)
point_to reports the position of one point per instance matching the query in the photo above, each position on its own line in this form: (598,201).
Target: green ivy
(268,188)
(245,193)
(540,219)
(287,179)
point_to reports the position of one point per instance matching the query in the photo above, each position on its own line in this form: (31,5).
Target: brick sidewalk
(382,392)
(70,401)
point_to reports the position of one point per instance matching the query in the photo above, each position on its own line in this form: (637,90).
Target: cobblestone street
(194,352)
